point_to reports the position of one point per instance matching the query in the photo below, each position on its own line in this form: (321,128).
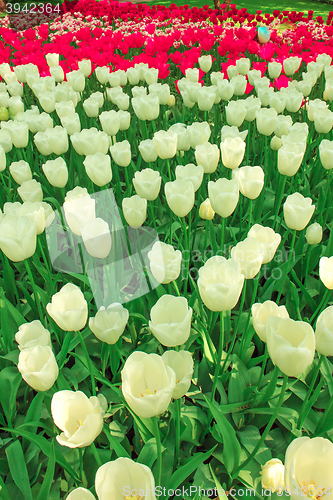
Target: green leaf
(148,454)
(11,378)
(186,470)
(18,468)
(44,492)
(114,443)
(231,446)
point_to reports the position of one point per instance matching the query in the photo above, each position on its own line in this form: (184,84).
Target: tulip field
(166,253)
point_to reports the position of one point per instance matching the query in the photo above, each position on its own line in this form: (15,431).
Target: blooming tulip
(180,196)
(146,107)
(297,211)
(123,478)
(308,466)
(205,63)
(80,418)
(110,122)
(274,69)
(171,320)
(261,313)
(151,76)
(30,190)
(79,208)
(273,475)
(314,234)
(96,238)
(283,125)
(76,80)
(165,144)
(266,120)
(235,112)
(268,238)
(147,183)
(199,133)
(148,150)
(32,334)
(121,153)
(290,158)
(147,384)
(102,74)
(326,154)
(277,100)
(249,254)
(207,155)
(325,271)
(68,308)
(252,105)
(183,138)
(239,83)
(250,181)
(182,364)
(220,283)
(291,65)
(90,141)
(290,344)
(190,172)
(323,120)
(109,324)
(80,494)
(17,237)
(56,172)
(223,196)
(162,91)
(233,132)
(98,168)
(38,367)
(165,262)
(233,150)
(135,210)
(225,89)
(20,171)
(293,100)
(35,211)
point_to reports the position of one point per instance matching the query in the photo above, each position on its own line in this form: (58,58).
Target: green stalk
(279,196)
(177,403)
(94,450)
(159,450)
(304,410)
(219,356)
(286,269)
(322,304)
(89,362)
(266,431)
(34,288)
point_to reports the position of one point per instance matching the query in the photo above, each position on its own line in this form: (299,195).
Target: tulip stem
(159,450)
(95,453)
(89,363)
(177,425)
(322,304)
(267,429)
(279,196)
(34,289)
(305,406)
(219,356)
(222,234)
(287,266)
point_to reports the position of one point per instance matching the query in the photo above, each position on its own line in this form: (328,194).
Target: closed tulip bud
(291,65)
(114,79)
(277,101)
(274,69)
(305,88)
(180,196)
(90,141)
(243,65)
(109,324)
(250,181)
(53,140)
(192,74)
(4,115)
(124,119)
(233,150)
(121,153)
(122,477)
(205,211)
(170,320)
(110,122)
(39,123)
(232,71)
(71,123)
(35,212)
(249,254)
(17,237)
(165,144)
(68,308)
(190,172)
(38,367)
(147,183)
(261,313)
(220,283)
(15,88)
(183,137)
(146,107)
(148,150)
(80,494)
(133,75)
(32,334)
(96,238)
(91,107)
(239,83)
(98,168)
(269,239)
(293,101)
(182,364)
(102,74)
(323,120)
(265,95)
(225,89)
(314,234)
(235,112)
(76,80)
(151,76)
(216,76)
(147,384)
(276,143)
(290,344)
(206,98)
(65,108)
(20,171)
(15,105)
(135,210)
(171,101)
(79,208)
(199,133)
(30,191)
(297,211)
(47,101)
(223,196)
(297,139)
(227,131)
(5,140)
(290,158)
(56,172)
(162,91)
(62,92)
(207,155)
(19,133)
(273,475)
(253,75)
(205,63)
(252,105)
(80,418)
(52,59)
(187,102)
(325,271)
(85,67)
(58,73)
(283,125)
(326,154)
(266,120)
(324,332)
(165,262)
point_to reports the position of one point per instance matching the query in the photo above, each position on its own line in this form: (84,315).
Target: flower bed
(166,256)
